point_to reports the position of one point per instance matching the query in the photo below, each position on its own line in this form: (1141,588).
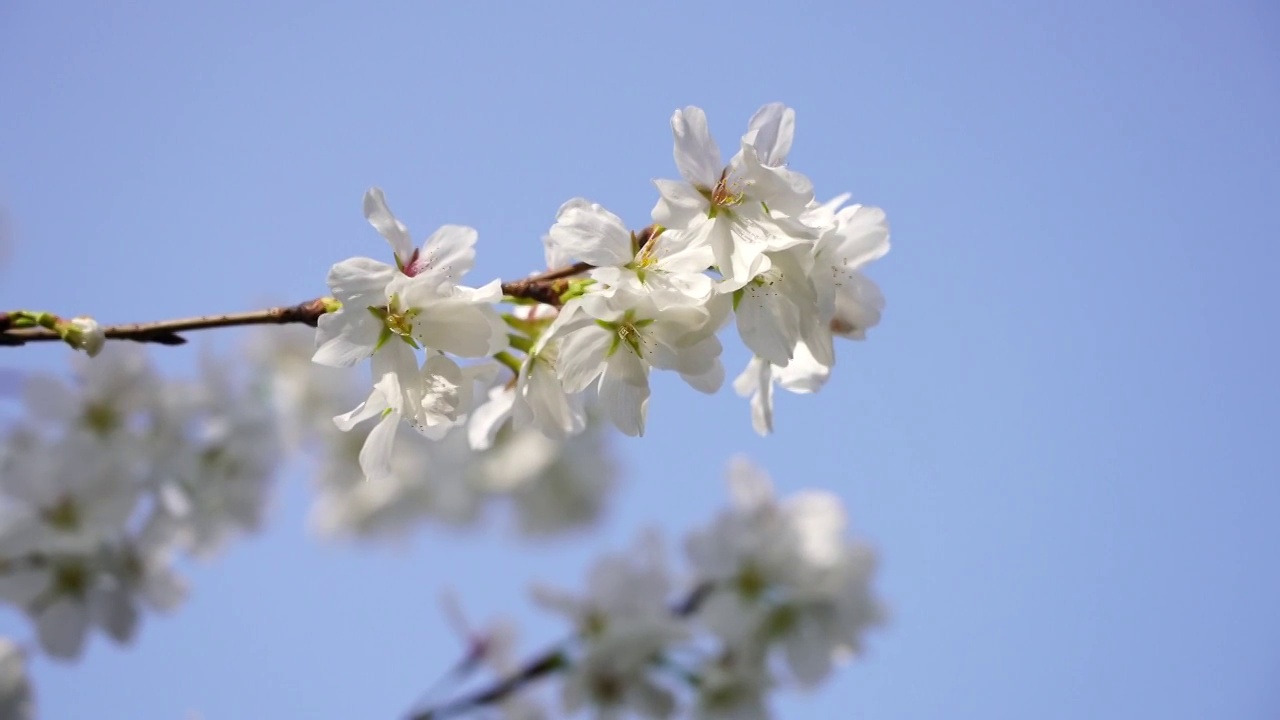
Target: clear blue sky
(1062,438)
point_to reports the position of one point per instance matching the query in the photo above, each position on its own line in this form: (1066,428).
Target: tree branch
(544,287)
(537,667)
(165,332)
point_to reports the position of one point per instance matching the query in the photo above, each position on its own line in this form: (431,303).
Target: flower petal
(447,255)
(461,328)
(592,234)
(770,132)
(624,391)
(346,337)
(382,220)
(696,153)
(582,357)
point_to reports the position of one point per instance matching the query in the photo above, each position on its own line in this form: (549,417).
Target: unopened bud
(83,333)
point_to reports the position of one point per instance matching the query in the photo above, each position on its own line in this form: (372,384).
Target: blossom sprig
(743,239)
(775,596)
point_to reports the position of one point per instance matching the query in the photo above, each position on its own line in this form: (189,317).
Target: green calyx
(33,318)
(510,361)
(576,288)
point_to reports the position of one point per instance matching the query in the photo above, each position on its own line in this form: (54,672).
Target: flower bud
(84,333)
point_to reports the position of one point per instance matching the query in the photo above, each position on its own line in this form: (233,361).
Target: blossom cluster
(774,596)
(744,239)
(550,485)
(107,479)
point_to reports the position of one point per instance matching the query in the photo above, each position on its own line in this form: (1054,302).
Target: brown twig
(537,667)
(544,287)
(165,332)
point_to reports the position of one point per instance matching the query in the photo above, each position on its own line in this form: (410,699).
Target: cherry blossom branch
(539,666)
(165,332)
(544,287)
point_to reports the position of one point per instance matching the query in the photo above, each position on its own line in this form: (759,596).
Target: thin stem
(539,666)
(542,287)
(165,332)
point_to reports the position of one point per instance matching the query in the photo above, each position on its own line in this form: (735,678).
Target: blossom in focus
(428,398)
(418,301)
(741,210)
(616,340)
(668,267)
(536,400)
(855,236)
(804,374)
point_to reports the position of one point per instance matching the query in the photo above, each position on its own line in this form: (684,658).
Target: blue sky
(1062,438)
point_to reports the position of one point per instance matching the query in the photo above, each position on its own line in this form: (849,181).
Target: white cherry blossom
(418,300)
(745,208)
(616,340)
(17,701)
(804,374)
(778,308)
(669,266)
(626,625)
(782,573)
(428,398)
(536,399)
(856,235)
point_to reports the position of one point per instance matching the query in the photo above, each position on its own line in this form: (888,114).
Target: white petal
(115,612)
(624,391)
(551,408)
(819,521)
(62,628)
(447,255)
(382,220)
(679,205)
(864,235)
(700,357)
(696,153)
(375,455)
(708,382)
(749,486)
(808,653)
(441,381)
(346,337)
(817,340)
(485,421)
(375,406)
(770,132)
(591,234)
(858,304)
(804,374)
(360,281)
(582,357)
(461,328)
(768,324)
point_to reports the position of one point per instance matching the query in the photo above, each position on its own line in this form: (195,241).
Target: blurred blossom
(16,698)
